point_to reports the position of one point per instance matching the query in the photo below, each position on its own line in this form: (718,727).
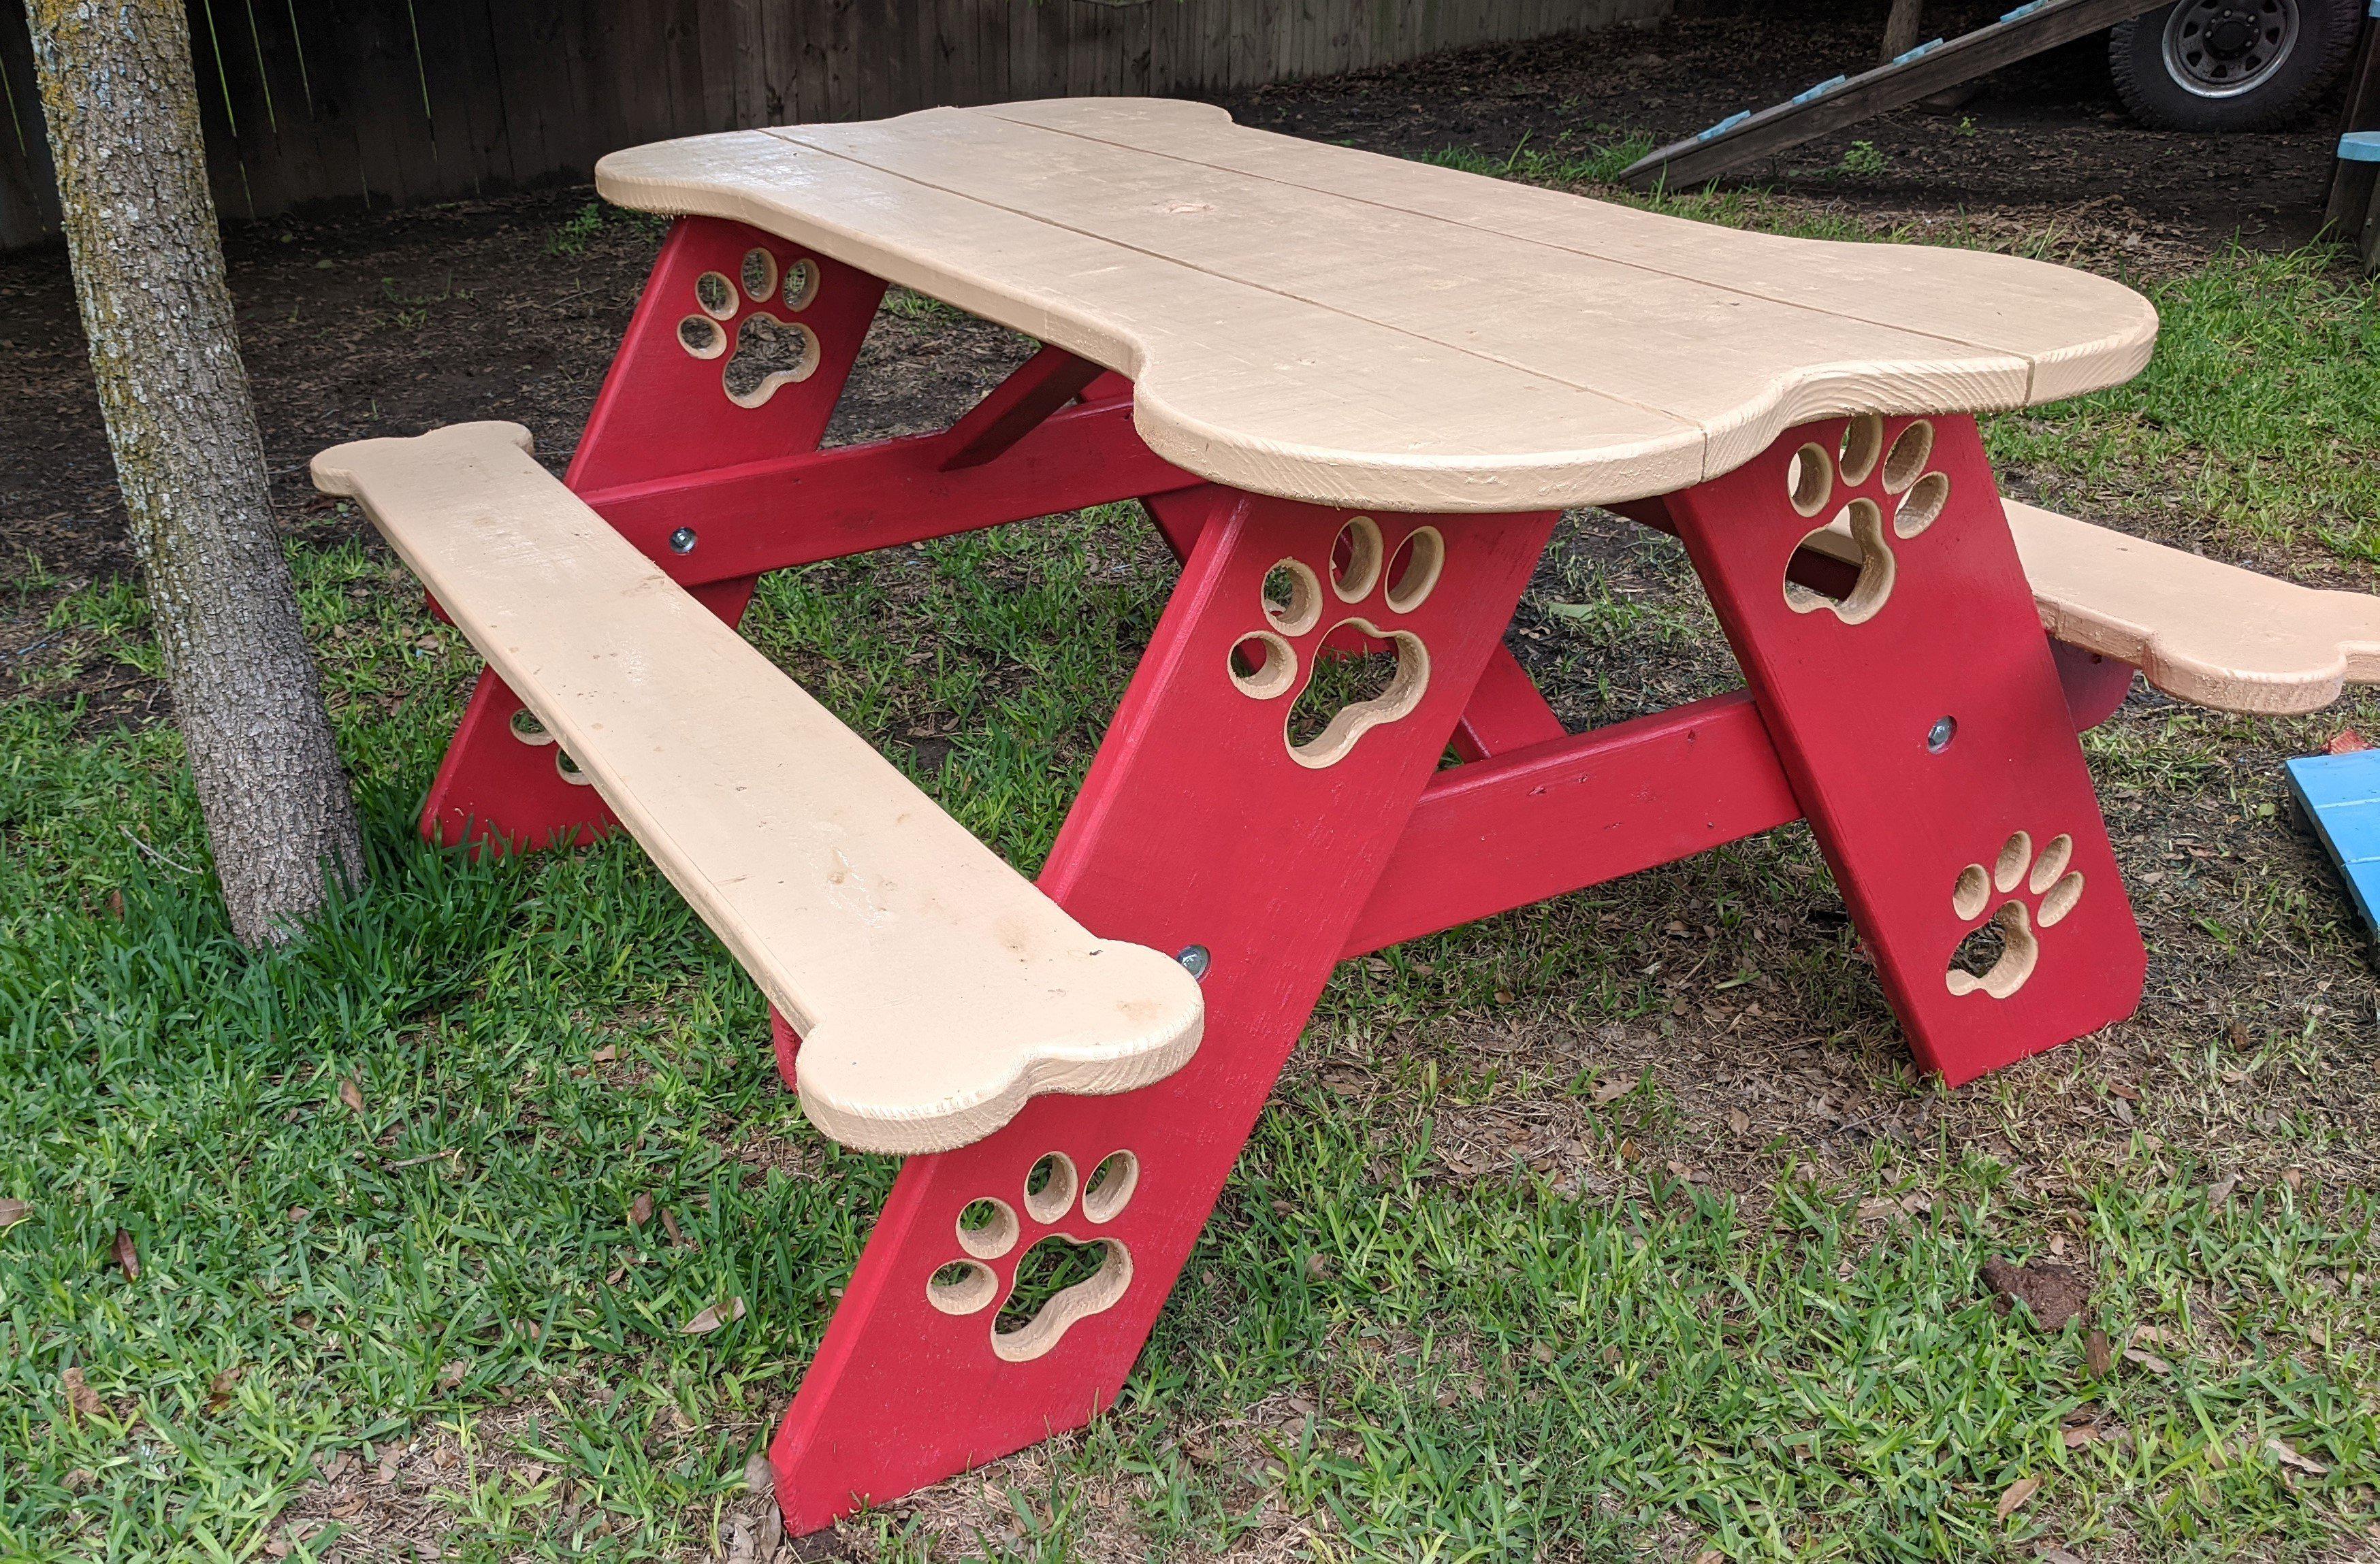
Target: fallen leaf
(2347,741)
(2218,1194)
(1613,1090)
(2057,1556)
(116,903)
(452,1375)
(669,1221)
(760,1477)
(388,1456)
(219,1390)
(713,1319)
(1710,1556)
(2128,1093)
(2149,1361)
(2021,1490)
(2293,1177)
(1317,1266)
(2289,1456)
(352,1094)
(1738,1121)
(80,1398)
(607,1054)
(77,1480)
(741,1543)
(2078,1437)
(127,1255)
(640,1210)
(2099,1354)
(13,1211)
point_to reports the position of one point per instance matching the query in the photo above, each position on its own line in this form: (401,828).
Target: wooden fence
(397,101)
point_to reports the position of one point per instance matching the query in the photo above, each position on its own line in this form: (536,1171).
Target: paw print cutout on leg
(1877,495)
(2033,893)
(1059,1279)
(768,348)
(1336,625)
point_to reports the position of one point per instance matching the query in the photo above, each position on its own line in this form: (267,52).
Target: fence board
(425,100)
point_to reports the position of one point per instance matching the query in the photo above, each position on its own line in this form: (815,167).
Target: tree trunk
(1901,27)
(123,113)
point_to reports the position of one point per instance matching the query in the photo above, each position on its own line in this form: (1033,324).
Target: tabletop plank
(1337,326)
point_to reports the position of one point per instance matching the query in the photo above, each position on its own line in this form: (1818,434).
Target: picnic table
(1356,396)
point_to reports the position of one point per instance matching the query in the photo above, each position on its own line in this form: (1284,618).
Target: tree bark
(123,112)
(1900,28)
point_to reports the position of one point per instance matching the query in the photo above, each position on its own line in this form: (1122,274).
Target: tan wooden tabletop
(1335,325)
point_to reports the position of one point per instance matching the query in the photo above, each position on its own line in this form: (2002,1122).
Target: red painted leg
(737,351)
(1199,827)
(1922,725)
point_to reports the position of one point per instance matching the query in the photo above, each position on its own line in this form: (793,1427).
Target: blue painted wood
(2361,146)
(2340,795)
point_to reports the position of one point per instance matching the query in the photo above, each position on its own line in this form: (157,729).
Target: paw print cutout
(2033,893)
(769,349)
(1059,1280)
(1336,626)
(1877,495)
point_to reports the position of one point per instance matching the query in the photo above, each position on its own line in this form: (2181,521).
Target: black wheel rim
(2226,48)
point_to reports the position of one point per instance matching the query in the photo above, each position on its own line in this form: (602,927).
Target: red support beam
(1016,407)
(1561,816)
(794,510)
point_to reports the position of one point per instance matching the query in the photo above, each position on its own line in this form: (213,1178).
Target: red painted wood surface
(1196,826)
(814,505)
(1850,706)
(1576,811)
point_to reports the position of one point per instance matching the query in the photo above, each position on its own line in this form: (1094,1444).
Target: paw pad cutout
(1059,1279)
(529,731)
(1335,626)
(2034,891)
(1877,493)
(741,314)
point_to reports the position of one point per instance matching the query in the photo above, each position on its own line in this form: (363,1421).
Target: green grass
(1367,1358)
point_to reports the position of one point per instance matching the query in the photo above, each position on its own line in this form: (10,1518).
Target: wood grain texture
(2200,630)
(545,86)
(1332,325)
(935,989)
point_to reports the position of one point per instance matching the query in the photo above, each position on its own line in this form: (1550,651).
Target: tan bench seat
(2200,630)
(935,989)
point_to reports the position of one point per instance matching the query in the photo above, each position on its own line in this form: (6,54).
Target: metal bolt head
(682,541)
(1938,737)
(1195,960)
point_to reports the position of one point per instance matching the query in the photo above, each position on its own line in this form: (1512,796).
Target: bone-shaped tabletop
(1335,325)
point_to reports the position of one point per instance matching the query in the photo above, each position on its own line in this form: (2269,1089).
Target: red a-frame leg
(1197,826)
(1921,723)
(738,348)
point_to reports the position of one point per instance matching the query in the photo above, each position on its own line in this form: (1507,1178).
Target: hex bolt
(1938,737)
(1195,960)
(682,541)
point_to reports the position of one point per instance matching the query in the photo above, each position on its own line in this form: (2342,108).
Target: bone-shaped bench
(2200,630)
(935,989)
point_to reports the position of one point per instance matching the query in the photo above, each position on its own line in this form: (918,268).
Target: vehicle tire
(2230,65)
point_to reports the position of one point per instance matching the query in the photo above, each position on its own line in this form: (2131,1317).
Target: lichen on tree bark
(122,107)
